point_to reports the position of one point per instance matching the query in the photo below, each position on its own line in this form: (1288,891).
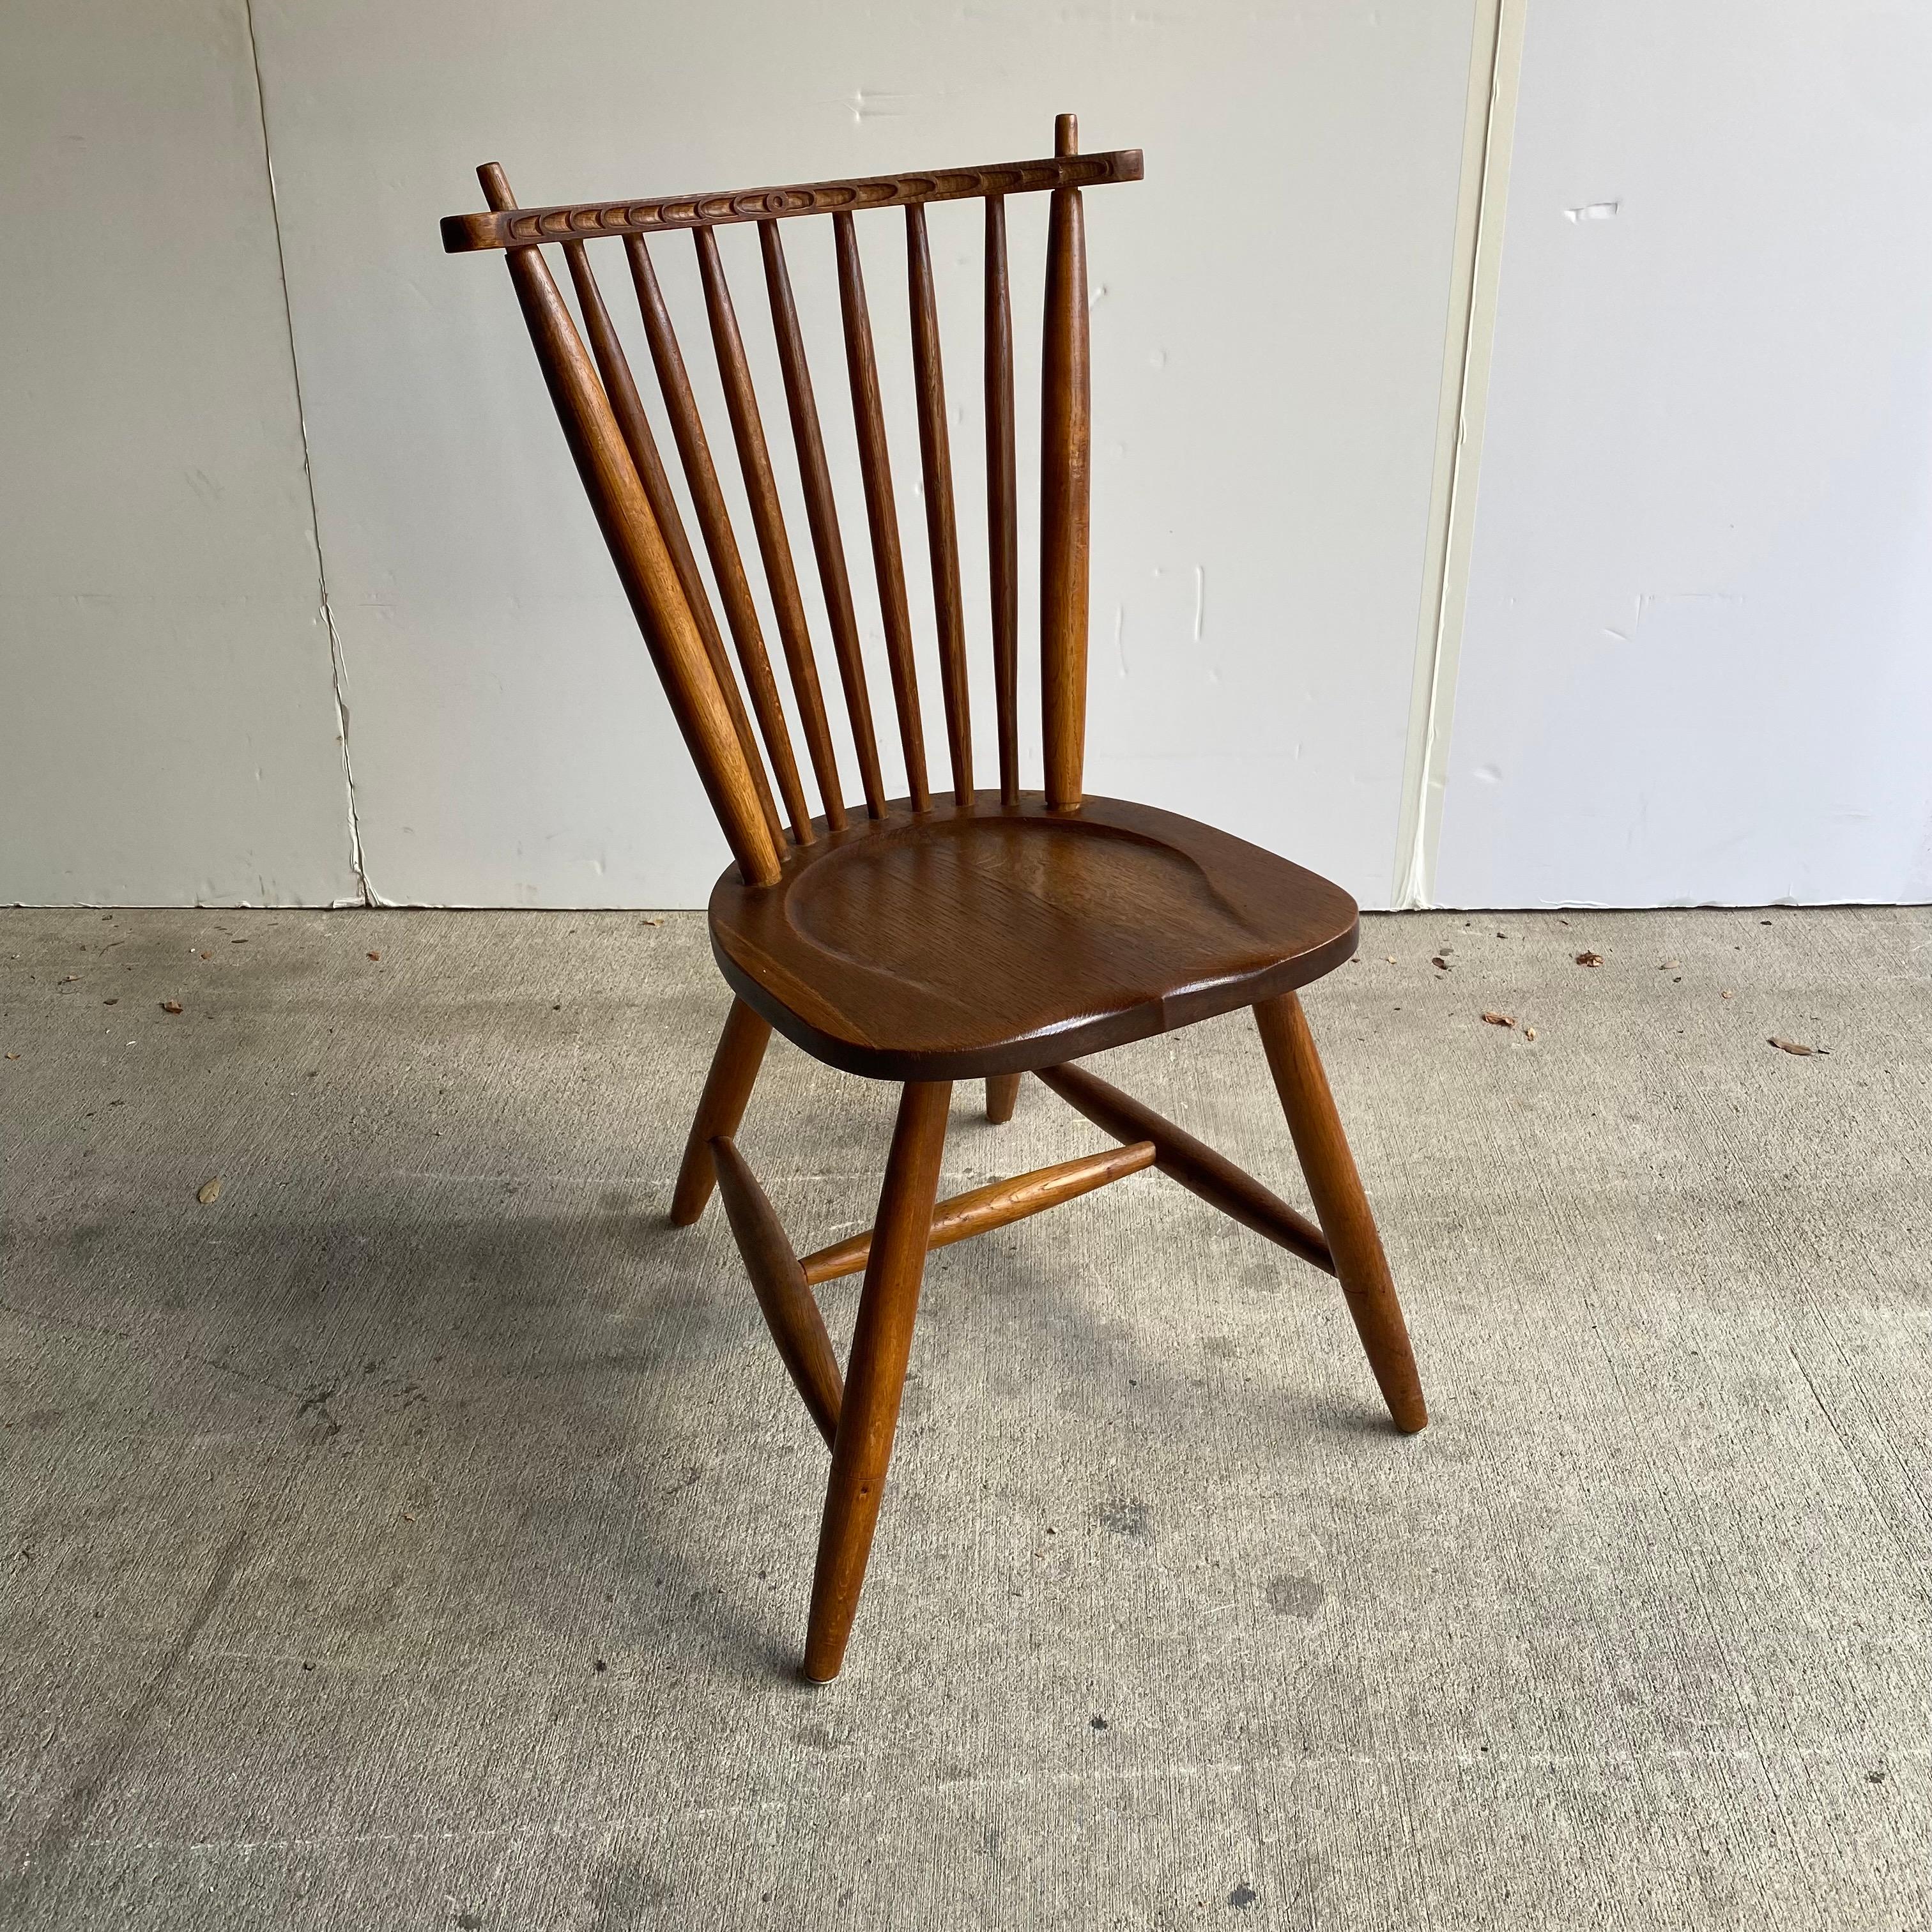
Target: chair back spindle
(734,734)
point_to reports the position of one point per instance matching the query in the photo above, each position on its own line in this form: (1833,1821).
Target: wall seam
(1489,135)
(336,674)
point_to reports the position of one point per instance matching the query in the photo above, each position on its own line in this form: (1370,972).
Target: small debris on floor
(1589,959)
(114,1002)
(1440,964)
(1791,1046)
(171,1006)
(208,1191)
(1529,1033)
(1725,995)
(650,921)
(1391,959)
(375,955)
(1499,1019)
(69,978)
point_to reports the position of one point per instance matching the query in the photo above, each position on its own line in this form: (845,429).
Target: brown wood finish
(971,942)
(714,521)
(628,408)
(1193,1163)
(875,466)
(1065,436)
(881,1346)
(1003,516)
(779,1283)
(1003,1096)
(728,1089)
(942,533)
(636,548)
(755,460)
(821,512)
(1342,1207)
(977,935)
(510,227)
(993,1206)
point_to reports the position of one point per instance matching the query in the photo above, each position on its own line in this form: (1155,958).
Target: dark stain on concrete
(1125,1517)
(1295,1596)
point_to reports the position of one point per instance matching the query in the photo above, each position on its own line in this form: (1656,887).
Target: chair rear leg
(727,1087)
(875,1373)
(1342,1207)
(1003,1096)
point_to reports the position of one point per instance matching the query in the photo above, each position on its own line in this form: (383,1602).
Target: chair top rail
(582,221)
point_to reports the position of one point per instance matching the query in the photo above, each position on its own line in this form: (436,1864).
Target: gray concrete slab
(419,1534)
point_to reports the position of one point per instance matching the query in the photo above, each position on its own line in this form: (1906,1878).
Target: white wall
(1693,578)
(168,726)
(1697,659)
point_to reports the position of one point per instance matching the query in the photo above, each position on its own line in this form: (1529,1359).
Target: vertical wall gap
(1496,66)
(308,474)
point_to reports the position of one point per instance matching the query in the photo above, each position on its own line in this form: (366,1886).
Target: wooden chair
(942,935)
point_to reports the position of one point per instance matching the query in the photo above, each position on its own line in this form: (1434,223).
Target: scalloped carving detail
(526,227)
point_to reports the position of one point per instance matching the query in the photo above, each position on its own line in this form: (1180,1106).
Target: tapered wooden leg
(1003,1096)
(875,1373)
(734,1069)
(1342,1207)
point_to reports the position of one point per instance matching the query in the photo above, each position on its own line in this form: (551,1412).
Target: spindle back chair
(928,938)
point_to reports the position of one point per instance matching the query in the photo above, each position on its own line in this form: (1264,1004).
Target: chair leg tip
(806,1675)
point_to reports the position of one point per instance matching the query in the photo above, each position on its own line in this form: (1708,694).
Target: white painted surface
(168,728)
(1696,663)
(1268,356)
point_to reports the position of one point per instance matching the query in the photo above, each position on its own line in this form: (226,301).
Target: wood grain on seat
(989,941)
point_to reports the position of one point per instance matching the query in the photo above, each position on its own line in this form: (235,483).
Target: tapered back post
(1065,433)
(649,577)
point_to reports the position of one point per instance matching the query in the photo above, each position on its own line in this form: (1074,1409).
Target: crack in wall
(337,675)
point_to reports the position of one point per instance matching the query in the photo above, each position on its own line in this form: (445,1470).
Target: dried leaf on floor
(171,1006)
(1529,1033)
(1791,1046)
(1499,1019)
(1589,959)
(69,978)
(206,1193)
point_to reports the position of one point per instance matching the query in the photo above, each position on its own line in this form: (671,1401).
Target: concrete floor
(419,1534)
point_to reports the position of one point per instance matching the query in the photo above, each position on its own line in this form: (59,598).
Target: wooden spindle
(637,546)
(1003,500)
(881,512)
(628,406)
(755,460)
(721,541)
(942,535)
(821,512)
(1065,435)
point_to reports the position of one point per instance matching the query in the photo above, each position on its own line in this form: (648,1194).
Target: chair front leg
(875,1375)
(728,1089)
(1342,1207)
(1003,1096)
